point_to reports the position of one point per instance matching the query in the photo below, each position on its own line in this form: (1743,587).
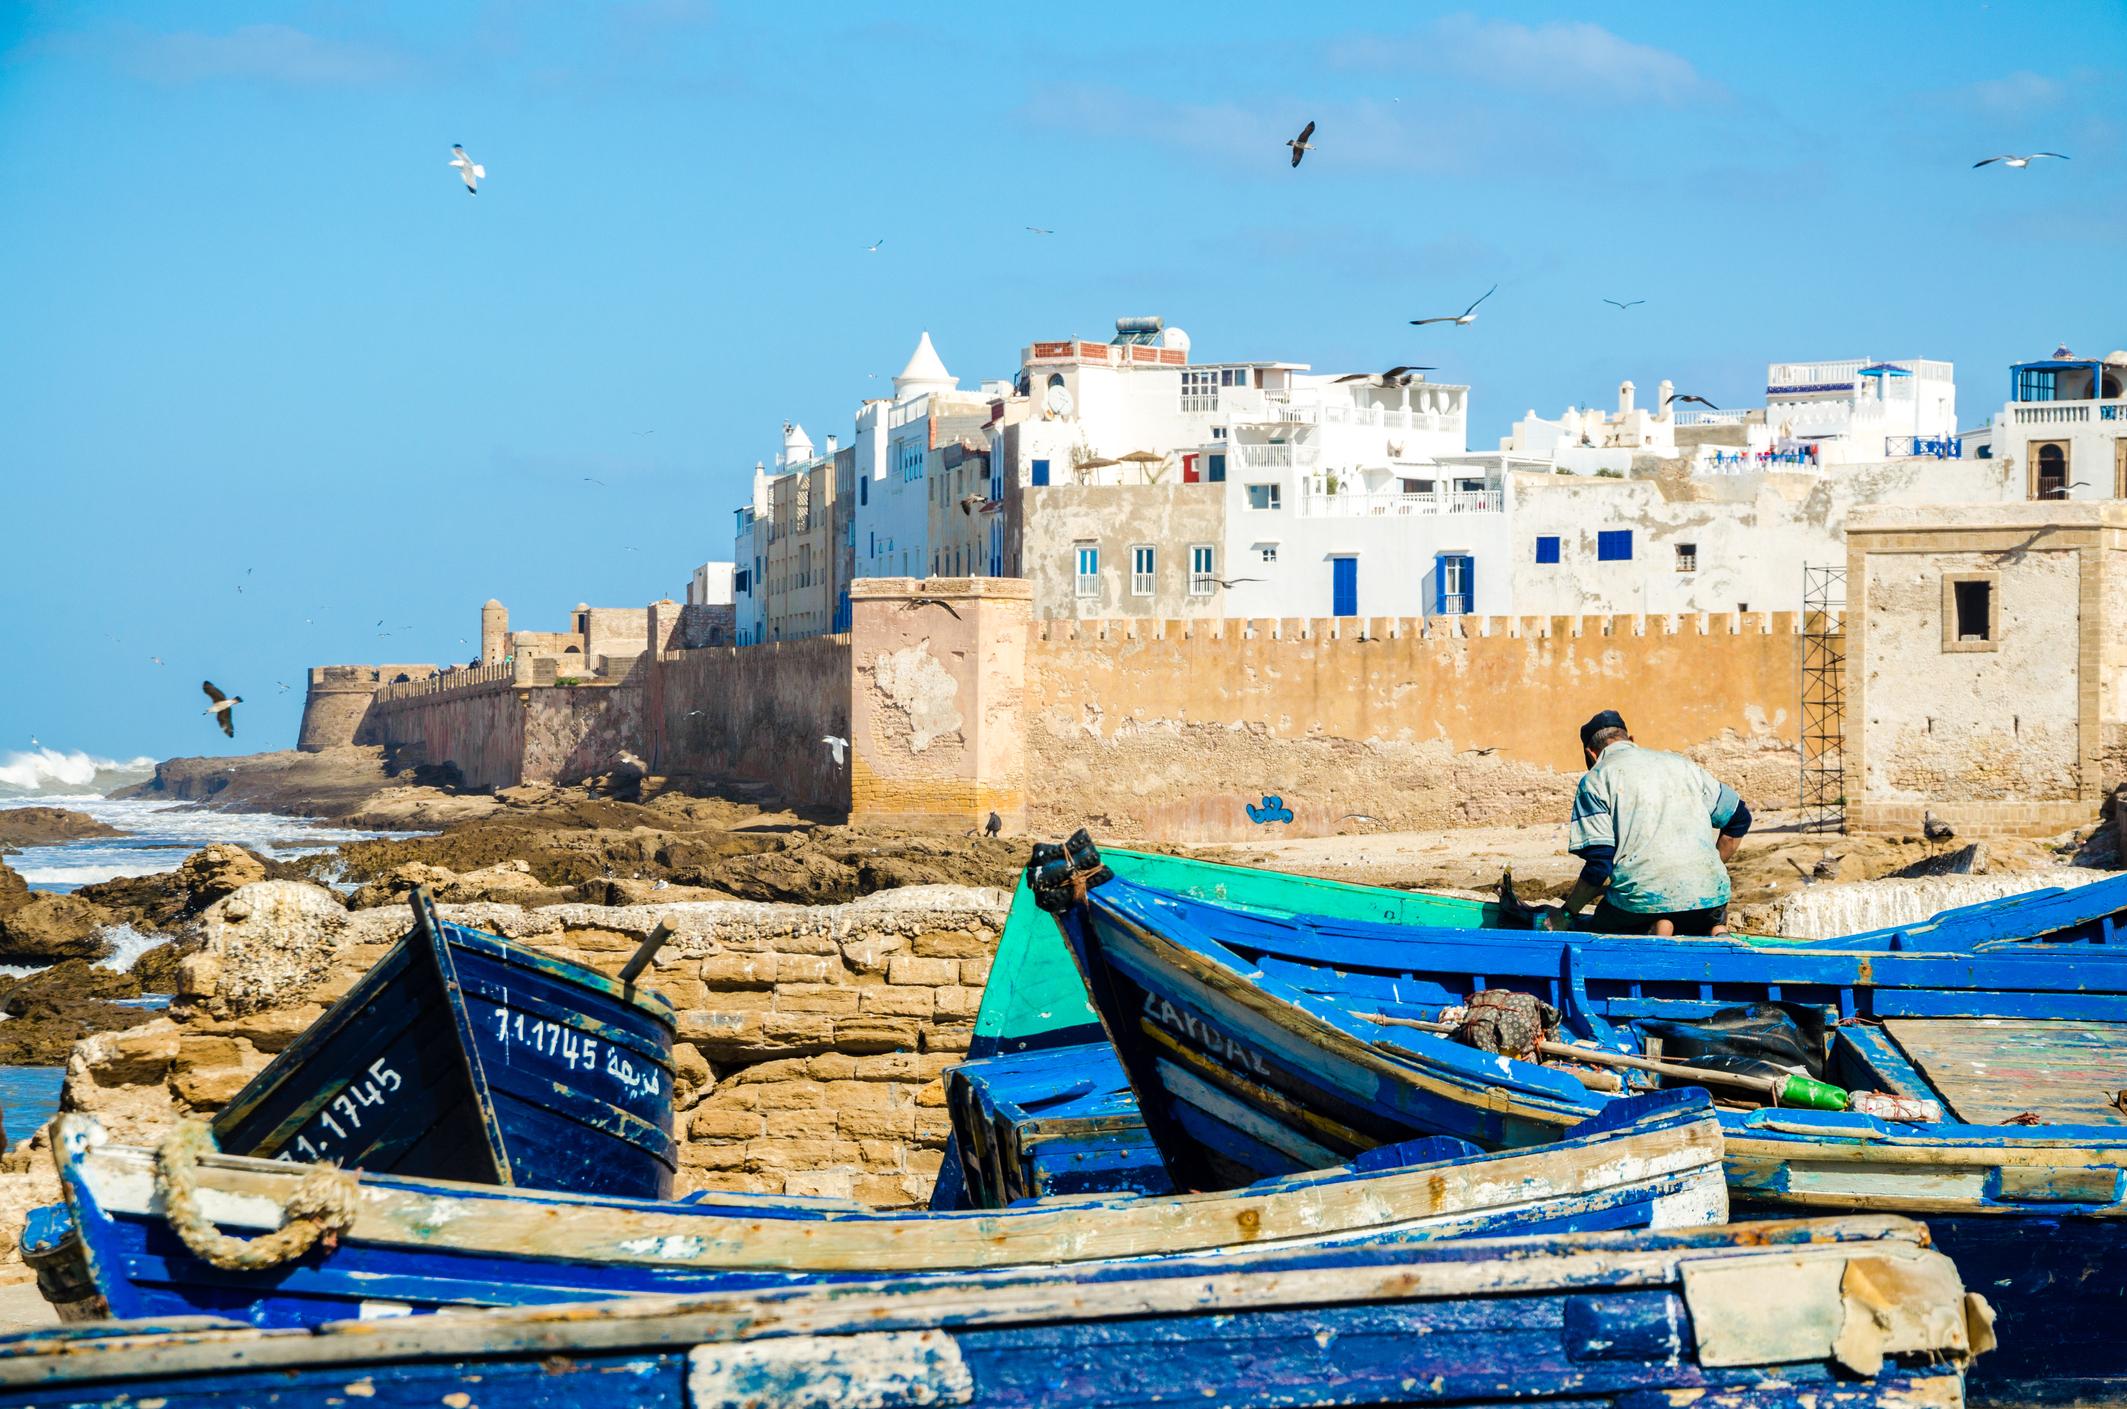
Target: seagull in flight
(1468,315)
(2015,162)
(1633,303)
(1300,145)
(873,247)
(222,706)
(473,172)
(836,746)
(1038,230)
(1394,376)
(1685,396)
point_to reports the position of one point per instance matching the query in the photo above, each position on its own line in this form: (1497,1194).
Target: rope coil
(321,1208)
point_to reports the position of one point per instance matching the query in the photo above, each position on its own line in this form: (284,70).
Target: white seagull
(1468,315)
(873,247)
(835,746)
(2019,163)
(1300,145)
(473,172)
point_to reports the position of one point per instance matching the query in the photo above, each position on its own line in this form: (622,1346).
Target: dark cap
(1608,719)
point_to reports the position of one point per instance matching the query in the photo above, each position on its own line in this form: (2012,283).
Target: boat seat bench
(1990,1069)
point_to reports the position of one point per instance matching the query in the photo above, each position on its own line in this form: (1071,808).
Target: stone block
(925,1163)
(875,1034)
(902,1066)
(930,973)
(733,1181)
(797,1030)
(871,956)
(859,1095)
(780,1069)
(881,1154)
(832,1066)
(881,1191)
(805,942)
(931,1093)
(816,998)
(140,1057)
(729,970)
(821,1183)
(731,1155)
(718,1123)
(802,1125)
(898,1002)
(953,945)
(718,1030)
(876,1124)
(807,968)
(792,1096)
(954,1039)
(959,1002)
(689,1067)
(933,1124)
(800,1154)
(974,972)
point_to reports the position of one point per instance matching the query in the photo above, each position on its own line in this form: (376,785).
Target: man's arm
(1730,830)
(1594,879)
(1593,838)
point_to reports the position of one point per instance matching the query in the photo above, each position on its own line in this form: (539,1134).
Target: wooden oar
(1790,1090)
(645,952)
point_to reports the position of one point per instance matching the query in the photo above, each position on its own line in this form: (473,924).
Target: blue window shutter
(1440,584)
(1041,472)
(1469,583)
(1547,548)
(1613,545)
(1217,469)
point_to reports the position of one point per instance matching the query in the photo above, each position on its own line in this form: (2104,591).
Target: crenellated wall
(338,696)
(1175,729)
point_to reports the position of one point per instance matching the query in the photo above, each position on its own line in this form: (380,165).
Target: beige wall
(1118,517)
(1172,729)
(2018,734)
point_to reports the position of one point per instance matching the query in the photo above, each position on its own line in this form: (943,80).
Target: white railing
(1384,503)
(1712,418)
(2067,413)
(1256,455)
(1393,418)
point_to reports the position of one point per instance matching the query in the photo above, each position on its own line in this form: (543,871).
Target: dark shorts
(1608,919)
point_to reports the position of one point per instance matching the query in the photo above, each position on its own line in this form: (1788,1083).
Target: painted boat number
(375,1091)
(1212,1041)
(553,1039)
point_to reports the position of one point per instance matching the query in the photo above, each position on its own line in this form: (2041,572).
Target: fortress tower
(494,632)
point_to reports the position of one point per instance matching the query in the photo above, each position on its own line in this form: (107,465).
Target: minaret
(494,632)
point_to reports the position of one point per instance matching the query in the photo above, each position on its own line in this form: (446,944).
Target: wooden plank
(1990,1070)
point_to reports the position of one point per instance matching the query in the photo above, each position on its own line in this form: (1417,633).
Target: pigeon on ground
(221,706)
(1932,829)
(993,827)
(1300,145)
(473,172)
(1468,315)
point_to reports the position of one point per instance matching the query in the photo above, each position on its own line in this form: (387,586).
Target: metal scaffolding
(1823,802)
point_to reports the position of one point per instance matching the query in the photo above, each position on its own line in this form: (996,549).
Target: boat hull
(1608,1320)
(421,1245)
(465,1056)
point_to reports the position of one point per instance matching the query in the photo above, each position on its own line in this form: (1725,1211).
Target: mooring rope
(321,1208)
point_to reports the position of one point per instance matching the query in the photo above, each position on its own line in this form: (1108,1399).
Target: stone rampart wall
(480,729)
(1174,730)
(754,715)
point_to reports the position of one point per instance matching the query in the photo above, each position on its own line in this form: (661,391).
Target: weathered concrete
(2013,730)
(937,723)
(1172,729)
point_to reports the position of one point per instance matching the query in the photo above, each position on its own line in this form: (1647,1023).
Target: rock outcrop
(44,826)
(14,891)
(49,928)
(261,945)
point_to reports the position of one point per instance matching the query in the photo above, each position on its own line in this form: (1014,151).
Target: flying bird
(838,747)
(2016,162)
(154,660)
(473,172)
(1038,230)
(1468,315)
(914,602)
(1687,396)
(1394,376)
(1230,581)
(1629,303)
(873,247)
(588,480)
(970,503)
(283,684)
(1300,145)
(222,706)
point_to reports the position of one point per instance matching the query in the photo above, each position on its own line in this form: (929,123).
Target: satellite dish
(1057,402)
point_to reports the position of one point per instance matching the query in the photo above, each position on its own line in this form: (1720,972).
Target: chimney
(1624,397)
(833,443)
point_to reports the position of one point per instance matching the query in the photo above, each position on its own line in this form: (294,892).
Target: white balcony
(1389,418)
(1257,455)
(1390,504)
(1712,418)
(2067,413)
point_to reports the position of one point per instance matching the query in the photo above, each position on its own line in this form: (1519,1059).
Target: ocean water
(160,834)
(29,1096)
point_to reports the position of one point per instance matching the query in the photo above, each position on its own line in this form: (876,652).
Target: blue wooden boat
(1035,1001)
(466,1056)
(417,1245)
(1258,1044)
(1056,1120)
(1841,1314)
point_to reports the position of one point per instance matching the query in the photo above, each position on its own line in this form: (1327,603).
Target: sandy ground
(22,1308)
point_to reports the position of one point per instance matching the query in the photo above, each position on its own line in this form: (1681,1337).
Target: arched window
(2052,472)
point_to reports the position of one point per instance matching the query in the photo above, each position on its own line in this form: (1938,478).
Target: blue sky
(259,337)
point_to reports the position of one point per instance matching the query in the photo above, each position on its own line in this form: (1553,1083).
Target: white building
(2063,432)
(1586,440)
(710,585)
(1849,412)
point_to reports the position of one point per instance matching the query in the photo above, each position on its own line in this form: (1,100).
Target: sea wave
(46,772)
